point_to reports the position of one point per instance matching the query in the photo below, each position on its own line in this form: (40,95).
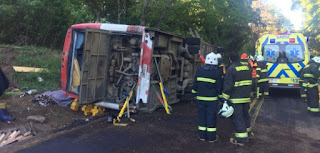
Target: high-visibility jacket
(262,72)
(237,83)
(207,83)
(245,62)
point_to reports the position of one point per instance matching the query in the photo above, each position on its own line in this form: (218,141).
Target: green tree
(311,9)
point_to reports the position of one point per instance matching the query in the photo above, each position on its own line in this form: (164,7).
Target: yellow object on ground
(92,110)
(2,106)
(87,109)
(74,105)
(164,99)
(125,106)
(97,110)
(75,75)
(28,69)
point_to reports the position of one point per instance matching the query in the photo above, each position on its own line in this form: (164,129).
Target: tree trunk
(143,20)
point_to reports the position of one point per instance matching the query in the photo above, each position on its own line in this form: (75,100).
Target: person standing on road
(236,91)
(222,70)
(207,87)
(253,65)
(262,75)
(311,76)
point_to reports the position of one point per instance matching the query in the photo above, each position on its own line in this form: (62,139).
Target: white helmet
(316,59)
(260,58)
(212,59)
(219,55)
(226,110)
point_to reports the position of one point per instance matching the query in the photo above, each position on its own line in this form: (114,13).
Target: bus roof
(110,27)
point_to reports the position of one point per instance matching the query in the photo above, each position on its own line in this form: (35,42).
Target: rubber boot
(4,117)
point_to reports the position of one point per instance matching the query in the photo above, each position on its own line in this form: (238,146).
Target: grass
(40,57)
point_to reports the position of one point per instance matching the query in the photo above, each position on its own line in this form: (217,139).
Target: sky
(296,17)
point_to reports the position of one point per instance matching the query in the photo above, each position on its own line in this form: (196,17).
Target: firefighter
(222,70)
(236,90)
(303,85)
(253,64)
(262,77)
(207,87)
(244,59)
(311,75)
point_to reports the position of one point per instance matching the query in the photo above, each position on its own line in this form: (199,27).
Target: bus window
(271,53)
(294,53)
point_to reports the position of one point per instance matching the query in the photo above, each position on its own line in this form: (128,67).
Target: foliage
(39,22)
(44,22)
(312,22)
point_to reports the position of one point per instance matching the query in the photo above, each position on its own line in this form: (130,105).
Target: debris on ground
(13,136)
(36,118)
(43,100)
(29,69)
(59,97)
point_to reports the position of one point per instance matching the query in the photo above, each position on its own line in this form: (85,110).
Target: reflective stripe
(264,70)
(257,75)
(220,96)
(258,69)
(211,129)
(308,75)
(304,84)
(206,80)
(241,135)
(202,128)
(263,80)
(193,91)
(244,63)
(249,129)
(314,109)
(240,100)
(243,83)
(312,85)
(266,93)
(225,96)
(207,98)
(308,108)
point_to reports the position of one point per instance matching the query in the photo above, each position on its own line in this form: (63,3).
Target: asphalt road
(281,124)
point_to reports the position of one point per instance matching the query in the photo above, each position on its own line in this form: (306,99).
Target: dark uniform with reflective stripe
(236,89)
(303,84)
(311,75)
(262,75)
(207,87)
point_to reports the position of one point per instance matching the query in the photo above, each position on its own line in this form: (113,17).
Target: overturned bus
(102,62)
